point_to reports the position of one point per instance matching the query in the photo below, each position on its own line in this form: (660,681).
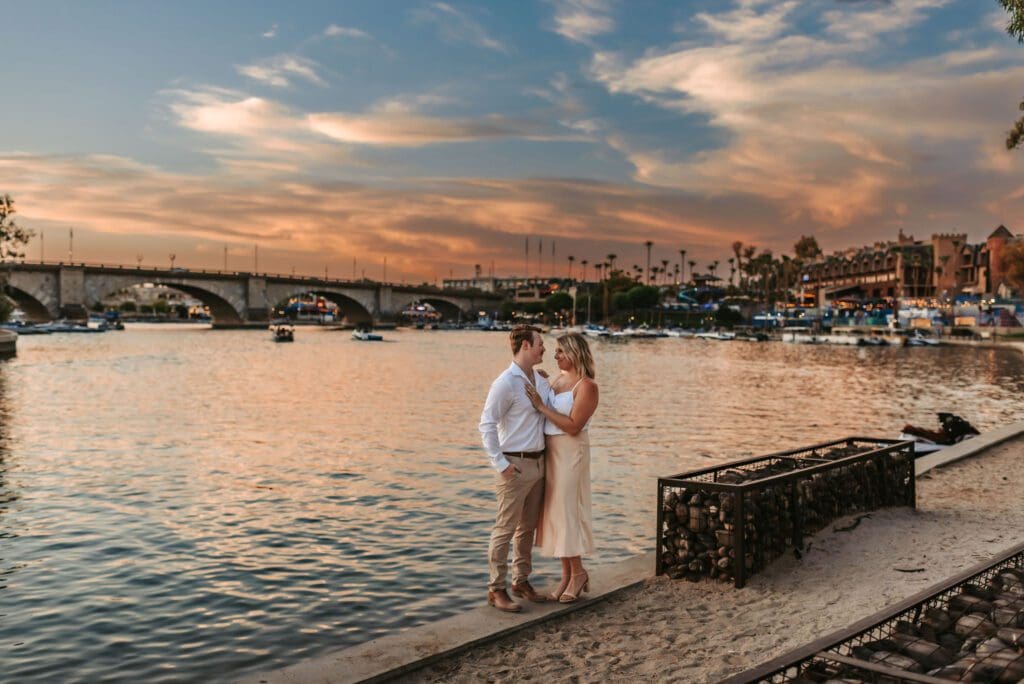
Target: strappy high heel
(562,586)
(573,591)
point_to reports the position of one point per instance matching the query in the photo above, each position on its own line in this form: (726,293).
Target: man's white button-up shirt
(509,422)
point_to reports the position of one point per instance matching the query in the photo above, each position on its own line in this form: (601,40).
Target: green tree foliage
(12,236)
(506,310)
(728,317)
(1013,265)
(620,301)
(1015,28)
(533,307)
(643,297)
(806,248)
(559,301)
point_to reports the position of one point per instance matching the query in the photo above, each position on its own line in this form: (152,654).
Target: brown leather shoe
(501,601)
(526,591)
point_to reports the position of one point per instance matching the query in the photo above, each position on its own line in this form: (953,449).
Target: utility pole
(527,274)
(648,244)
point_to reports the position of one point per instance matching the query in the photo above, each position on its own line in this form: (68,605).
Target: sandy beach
(668,630)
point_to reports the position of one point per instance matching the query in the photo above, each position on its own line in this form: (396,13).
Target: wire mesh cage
(969,628)
(729,521)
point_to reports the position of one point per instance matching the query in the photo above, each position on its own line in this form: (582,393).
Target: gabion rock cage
(969,628)
(729,521)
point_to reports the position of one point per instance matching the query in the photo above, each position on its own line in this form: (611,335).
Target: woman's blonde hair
(575,347)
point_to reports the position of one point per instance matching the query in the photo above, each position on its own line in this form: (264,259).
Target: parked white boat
(920,339)
(594,330)
(801,337)
(366,336)
(715,335)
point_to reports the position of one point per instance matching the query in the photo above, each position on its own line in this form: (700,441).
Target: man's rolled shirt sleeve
(498,399)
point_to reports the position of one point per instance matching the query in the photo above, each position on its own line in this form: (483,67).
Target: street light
(173,257)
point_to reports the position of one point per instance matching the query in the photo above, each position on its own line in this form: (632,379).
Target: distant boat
(594,330)
(283,332)
(364,335)
(716,335)
(919,339)
(66,326)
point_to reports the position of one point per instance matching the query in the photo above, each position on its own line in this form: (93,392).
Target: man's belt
(525,454)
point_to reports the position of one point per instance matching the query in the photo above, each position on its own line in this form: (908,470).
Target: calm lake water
(179,504)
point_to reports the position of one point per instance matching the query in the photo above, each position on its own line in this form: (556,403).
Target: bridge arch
(350,309)
(221,310)
(449,310)
(35,310)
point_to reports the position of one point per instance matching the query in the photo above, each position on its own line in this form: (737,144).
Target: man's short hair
(520,334)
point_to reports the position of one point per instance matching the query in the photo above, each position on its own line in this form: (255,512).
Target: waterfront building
(518,288)
(909,269)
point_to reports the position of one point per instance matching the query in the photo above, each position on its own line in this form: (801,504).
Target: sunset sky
(445,134)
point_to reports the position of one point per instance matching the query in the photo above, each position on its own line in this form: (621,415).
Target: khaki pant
(519,502)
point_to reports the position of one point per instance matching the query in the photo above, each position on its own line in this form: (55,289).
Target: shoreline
(641,626)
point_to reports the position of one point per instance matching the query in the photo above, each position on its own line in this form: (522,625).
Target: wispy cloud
(271,32)
(745,23)
(455,26)
(809,125)
(400,121)
(434,223)
(867,21)
(278,71)
(334,30)
(582,20)
(409,130)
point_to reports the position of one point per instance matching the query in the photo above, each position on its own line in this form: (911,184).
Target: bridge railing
(177,271)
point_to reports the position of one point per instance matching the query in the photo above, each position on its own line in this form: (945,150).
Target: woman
(565,529)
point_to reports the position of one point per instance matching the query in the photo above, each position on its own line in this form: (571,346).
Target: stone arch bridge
(46,291)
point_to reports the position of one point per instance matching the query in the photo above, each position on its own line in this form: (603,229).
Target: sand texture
(673,630)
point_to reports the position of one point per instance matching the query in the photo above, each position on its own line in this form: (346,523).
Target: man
(513,436)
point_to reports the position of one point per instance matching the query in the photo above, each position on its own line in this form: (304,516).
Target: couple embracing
(535,433)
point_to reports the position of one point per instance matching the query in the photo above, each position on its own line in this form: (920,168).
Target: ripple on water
(214,529)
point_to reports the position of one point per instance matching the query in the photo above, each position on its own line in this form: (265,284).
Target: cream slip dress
(565,528)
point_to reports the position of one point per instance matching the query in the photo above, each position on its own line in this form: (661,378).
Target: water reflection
(195,505)
(8,495)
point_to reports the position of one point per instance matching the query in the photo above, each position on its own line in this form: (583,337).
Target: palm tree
(676,269)
(638,273)
(713,266)
(571,259)
(610,264)
(682,262)
(693,264)
(664,266)
(648,244)
(732,270)
(583,263)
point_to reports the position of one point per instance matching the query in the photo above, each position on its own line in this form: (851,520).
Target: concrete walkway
(397,654)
